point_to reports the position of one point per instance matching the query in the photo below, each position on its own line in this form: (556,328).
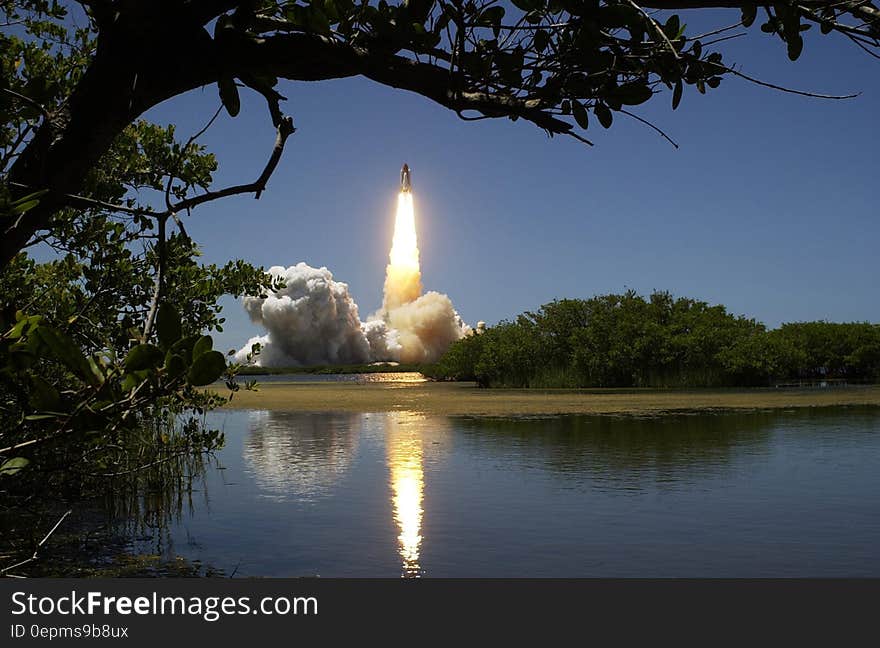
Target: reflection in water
(302,456)
(387,377)
(298,455)
(403,440)
(630,453)
(398,377)
(744,494)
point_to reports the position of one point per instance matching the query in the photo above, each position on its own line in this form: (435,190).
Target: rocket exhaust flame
(314,320)
(404,245)
(403,276)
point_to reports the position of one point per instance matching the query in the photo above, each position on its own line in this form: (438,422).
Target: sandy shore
(466,399)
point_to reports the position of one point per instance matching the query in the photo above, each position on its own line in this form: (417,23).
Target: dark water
(337,494)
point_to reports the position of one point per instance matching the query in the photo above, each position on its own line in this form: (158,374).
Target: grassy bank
(466,399)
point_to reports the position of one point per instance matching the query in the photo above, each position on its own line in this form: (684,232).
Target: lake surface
(786,493)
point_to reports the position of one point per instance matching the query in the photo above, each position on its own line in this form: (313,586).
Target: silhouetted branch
(5,571)
(649,125)
(28,101)
(802,93)
(659,31)
(284,130)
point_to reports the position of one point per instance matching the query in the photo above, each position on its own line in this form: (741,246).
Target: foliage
(83,371)
(660,341)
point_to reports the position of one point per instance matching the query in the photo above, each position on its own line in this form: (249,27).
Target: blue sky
(768,207)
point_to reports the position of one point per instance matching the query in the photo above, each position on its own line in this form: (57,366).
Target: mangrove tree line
(627,340)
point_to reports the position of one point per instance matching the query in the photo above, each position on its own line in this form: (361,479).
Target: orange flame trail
(403,276)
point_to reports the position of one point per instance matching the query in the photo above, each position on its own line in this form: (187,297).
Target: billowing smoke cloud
(425,327)
(313,319)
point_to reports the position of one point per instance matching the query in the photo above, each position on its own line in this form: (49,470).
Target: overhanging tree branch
(549,72)
(284,130)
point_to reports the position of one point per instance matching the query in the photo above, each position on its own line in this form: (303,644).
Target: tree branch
(865,11)
(28,101)
(284,130)
(649,125)
(159,282)
(659,31)
(773,86)
(133,70)
(5,571)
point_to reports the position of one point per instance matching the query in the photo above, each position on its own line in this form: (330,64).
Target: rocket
(405,179)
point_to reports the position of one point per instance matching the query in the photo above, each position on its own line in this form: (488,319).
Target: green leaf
(676,94)
(21,359)
(633,94)
(613,16)
(168,325)
(64,349)
(143,356)
(134,379)
(207,368)
(748,15)
(318,22)
(795,46)
(492,17)
(12,466)
(542,39)
(174,365)
(18,330)
(331,11)
(527,5)
(21,208)
(441,22)
(229,95)
(43,395)
(603,115)
(184,348)
(31,196)
(26,203)
(672,28)
(97,372)
(204,344)
(580,114)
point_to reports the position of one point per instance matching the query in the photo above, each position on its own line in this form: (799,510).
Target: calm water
(337,494)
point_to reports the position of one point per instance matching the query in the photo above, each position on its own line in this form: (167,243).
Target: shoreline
(465,399)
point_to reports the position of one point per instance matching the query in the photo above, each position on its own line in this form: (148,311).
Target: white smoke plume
(313,319)
(425,327)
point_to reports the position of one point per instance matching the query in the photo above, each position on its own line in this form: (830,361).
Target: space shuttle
(405,179)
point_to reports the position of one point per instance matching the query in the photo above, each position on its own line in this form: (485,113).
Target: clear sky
(768,207)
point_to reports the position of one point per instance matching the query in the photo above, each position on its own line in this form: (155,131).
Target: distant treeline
(631,341)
